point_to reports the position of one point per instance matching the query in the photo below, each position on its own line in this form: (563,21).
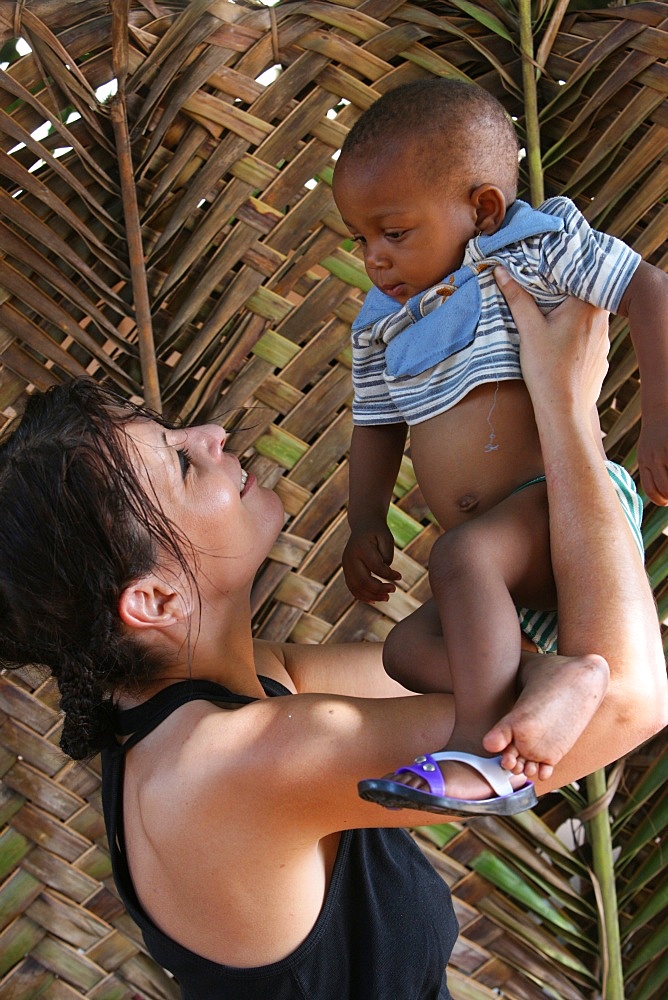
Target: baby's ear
(490,207)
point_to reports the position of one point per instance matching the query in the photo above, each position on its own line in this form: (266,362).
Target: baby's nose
(376,256)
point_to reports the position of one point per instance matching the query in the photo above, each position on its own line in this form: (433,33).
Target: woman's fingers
(563,353)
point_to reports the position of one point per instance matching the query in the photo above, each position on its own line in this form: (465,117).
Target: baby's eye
(394,234)
(359,239)
(184,461)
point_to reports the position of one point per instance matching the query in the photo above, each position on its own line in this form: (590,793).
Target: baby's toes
(545,771)
(531,769)
(499,739)
(509,758)
(520,765)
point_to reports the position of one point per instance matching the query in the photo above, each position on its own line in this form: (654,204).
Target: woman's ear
(151,602)
(489,203)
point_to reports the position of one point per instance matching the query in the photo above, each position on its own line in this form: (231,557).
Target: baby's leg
(414,652)
(479,572)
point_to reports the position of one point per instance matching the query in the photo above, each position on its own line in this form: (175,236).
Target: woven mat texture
(252,285)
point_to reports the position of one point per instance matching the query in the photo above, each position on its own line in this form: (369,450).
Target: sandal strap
(489,767)
(425,767)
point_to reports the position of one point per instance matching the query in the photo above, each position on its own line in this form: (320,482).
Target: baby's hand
(366,564)
(653,459)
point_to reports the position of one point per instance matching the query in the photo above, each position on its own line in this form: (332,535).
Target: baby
(426,182)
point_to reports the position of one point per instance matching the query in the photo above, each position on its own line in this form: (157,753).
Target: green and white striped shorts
(541,626)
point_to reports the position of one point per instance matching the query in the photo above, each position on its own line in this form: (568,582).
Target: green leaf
(655,779)
(654,984)
(404,528)
(504,877)
(648,831)
(348,268)
(644,915)
(651,867)
(439,835)
(284,448)
(483,17)
(650,948)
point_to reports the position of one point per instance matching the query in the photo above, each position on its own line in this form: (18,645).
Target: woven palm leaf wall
(179,241)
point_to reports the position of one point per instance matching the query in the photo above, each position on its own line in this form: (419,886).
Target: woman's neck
(221,650)
(228,658)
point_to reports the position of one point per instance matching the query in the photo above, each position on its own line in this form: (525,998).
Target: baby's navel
(467,503)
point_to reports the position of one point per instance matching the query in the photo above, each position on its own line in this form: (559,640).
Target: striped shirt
(573,259)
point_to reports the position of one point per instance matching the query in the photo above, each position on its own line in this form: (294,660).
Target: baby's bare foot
(560,696)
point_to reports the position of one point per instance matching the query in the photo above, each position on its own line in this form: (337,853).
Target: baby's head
(424,169)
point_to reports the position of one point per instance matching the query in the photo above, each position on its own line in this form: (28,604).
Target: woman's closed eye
(184,461)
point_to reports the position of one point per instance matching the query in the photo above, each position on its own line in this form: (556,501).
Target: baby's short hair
(452,126)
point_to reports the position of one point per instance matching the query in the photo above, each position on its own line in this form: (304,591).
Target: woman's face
(230,520)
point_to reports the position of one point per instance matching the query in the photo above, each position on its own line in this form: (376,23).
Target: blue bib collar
(423,340)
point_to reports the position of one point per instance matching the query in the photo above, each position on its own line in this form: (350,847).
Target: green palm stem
(536,188)
(600,838)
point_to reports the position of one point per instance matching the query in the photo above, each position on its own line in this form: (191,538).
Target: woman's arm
(605,607)
(645,303)
(604,598)
(354,669)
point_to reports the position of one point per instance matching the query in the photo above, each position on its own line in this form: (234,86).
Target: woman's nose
(210,437)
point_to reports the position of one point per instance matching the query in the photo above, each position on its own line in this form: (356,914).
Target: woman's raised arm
(604,599)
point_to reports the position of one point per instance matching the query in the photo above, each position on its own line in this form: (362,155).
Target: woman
(239,842)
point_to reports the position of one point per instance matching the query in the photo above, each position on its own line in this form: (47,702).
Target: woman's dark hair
(76,527)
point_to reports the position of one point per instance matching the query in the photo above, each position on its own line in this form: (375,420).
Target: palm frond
(175,236)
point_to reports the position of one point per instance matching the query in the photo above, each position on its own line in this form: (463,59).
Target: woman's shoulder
(207,755)
(271,660)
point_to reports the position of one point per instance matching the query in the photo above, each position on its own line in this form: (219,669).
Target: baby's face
(411,236)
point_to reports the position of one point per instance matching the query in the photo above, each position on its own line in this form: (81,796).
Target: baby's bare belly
(469,458)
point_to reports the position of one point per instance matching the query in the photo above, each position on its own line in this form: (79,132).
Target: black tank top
(386,928)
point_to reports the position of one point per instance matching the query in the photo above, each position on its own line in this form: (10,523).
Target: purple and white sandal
(395,795)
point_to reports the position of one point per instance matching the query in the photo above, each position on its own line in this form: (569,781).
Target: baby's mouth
(394,291)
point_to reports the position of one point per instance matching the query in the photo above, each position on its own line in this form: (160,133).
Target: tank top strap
(138,722)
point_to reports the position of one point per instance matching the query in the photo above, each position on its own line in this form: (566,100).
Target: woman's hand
(563,354)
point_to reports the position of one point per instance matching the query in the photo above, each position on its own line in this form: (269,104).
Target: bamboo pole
(599,823)
(119,118)
(600,837)
(536,187)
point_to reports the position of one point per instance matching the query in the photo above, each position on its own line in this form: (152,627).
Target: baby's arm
(375,457)
(645,304)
